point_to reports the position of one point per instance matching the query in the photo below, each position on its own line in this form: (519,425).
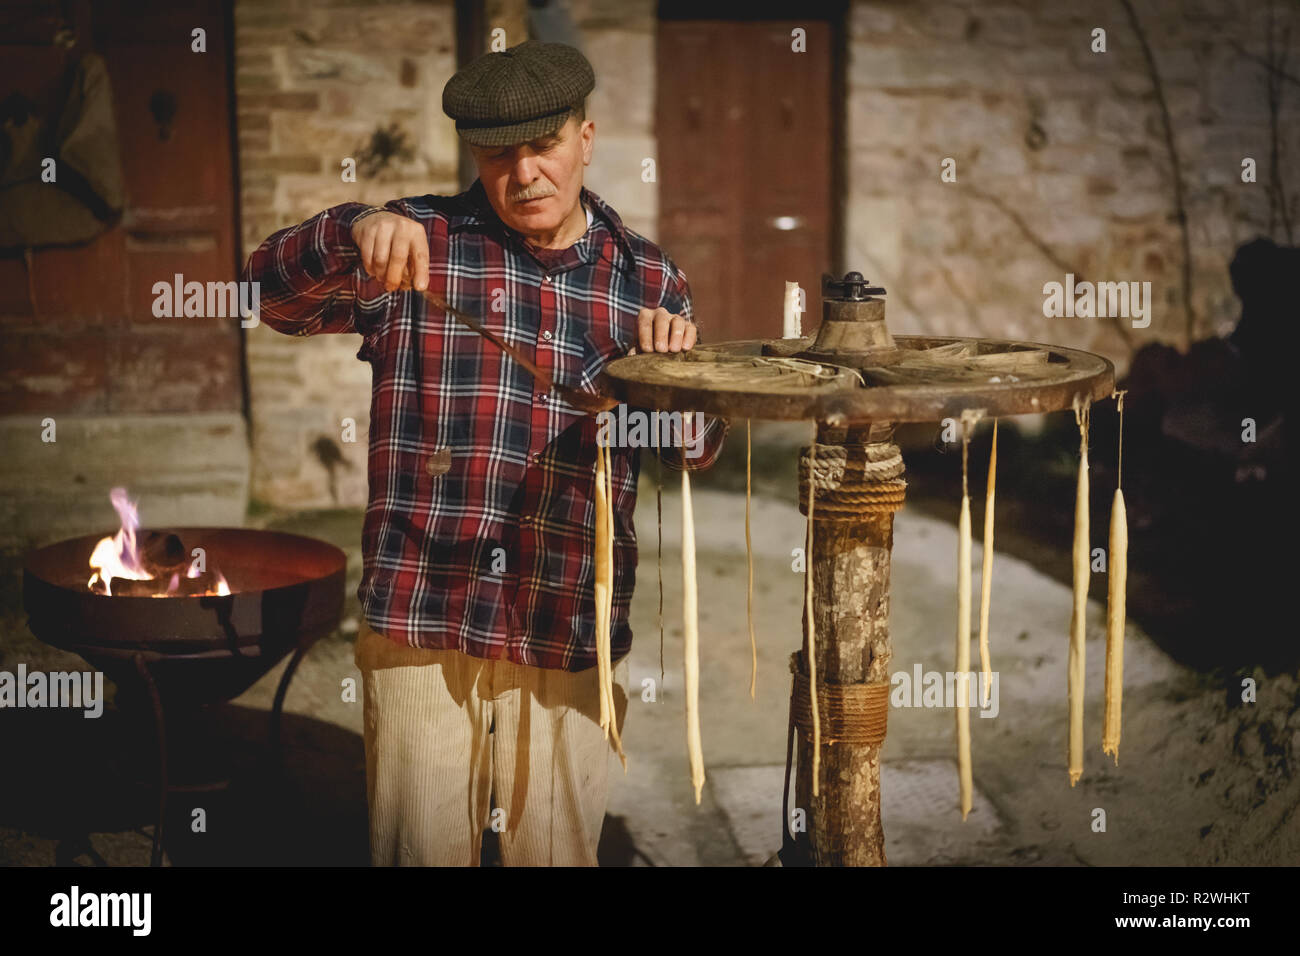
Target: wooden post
(850,567)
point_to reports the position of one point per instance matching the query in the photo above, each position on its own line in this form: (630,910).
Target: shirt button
(547,335)
(541,396)
(546,278)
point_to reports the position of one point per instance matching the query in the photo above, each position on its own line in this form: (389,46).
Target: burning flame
(118,556)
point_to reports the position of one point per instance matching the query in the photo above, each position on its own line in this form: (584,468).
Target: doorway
(747,136)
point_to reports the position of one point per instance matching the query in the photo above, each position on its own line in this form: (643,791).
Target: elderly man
(481,700)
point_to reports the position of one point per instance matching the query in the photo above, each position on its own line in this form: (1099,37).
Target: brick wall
(316,84)
(1061,160)
(619,40)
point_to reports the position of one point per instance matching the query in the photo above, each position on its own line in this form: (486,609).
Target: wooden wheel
(925,378)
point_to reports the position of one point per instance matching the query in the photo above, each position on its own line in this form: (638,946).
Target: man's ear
(588,134)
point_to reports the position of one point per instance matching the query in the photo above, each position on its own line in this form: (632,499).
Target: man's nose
(525,170)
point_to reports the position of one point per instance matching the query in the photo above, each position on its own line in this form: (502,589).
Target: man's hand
(394,250)
(658,330)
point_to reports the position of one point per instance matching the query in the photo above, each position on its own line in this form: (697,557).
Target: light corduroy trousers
(449,737)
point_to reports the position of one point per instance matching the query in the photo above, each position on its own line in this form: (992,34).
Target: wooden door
(744,169)
(79,319)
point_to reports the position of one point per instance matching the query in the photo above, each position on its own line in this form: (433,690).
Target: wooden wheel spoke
(950,375)
(958,362)
(722,371)
(953,352)
(963,354)
(1016,359)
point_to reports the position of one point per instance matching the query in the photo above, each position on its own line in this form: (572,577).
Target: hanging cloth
(87,194)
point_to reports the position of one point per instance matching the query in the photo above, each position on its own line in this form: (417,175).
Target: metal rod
(473,324)
(142,668)
(278,706)
(583,401)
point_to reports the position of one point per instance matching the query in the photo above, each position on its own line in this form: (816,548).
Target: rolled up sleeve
(308,275)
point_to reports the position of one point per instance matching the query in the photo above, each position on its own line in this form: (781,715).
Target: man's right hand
(394,250)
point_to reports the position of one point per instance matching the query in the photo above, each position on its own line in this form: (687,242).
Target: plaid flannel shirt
(479,533)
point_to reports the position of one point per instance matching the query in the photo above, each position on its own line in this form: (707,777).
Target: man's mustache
(532,192)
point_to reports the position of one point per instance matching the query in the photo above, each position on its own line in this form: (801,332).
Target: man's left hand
(658,330)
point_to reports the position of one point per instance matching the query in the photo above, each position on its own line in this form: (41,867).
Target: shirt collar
(479,209)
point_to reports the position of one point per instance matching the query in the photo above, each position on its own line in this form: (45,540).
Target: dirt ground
(1203,778)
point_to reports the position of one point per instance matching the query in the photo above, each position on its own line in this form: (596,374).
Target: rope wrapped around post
(855,714)
(853,480)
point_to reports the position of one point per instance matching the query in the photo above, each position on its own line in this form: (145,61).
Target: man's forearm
(306,273)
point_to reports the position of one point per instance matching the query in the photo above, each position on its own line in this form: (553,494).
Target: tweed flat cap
(520,94)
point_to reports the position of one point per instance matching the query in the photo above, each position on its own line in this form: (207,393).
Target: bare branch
(1262,61)
(1047,251)
(1180,206)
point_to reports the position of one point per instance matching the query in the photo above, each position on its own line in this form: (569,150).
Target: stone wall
(317,84)
(1061,161)
(619,40)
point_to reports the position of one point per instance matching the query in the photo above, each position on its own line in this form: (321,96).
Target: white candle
(1077,658)
(792,326)
(691,640)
